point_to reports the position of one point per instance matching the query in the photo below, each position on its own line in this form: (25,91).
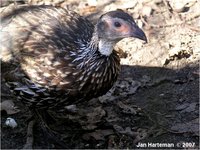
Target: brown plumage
(57,57)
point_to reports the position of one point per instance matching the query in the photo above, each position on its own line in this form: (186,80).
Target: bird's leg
(45,120)
(45,116)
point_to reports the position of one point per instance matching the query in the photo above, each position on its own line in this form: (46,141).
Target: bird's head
(114,26)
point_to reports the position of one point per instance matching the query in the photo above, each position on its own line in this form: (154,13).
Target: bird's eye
(117,24)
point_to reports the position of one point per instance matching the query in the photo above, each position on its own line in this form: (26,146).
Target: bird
(61,57)
(53,57)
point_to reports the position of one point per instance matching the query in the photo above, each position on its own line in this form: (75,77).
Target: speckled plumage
(54,57)
(56,65)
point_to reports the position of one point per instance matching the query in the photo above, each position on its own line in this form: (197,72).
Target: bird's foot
(48,122)
(53,136)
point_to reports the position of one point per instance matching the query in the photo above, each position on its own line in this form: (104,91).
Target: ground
(156,98)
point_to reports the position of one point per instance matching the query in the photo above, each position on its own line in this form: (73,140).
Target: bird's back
(41,26)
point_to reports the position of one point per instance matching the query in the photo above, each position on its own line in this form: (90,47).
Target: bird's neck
(104,46)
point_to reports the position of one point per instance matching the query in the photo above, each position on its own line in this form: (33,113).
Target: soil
(154,103)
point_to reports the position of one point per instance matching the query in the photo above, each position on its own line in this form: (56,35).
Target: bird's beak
(138,33)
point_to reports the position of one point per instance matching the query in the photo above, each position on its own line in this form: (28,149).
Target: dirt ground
(154,103)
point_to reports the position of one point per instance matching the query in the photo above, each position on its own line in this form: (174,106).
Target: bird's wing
(43,40)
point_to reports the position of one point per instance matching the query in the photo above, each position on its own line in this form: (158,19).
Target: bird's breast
(99,75)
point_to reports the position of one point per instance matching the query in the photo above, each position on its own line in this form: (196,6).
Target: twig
(29,139)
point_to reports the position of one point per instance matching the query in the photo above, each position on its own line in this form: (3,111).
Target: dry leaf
(98,134)
(9,107)
(187,127)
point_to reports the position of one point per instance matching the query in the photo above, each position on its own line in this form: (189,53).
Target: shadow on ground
(147,104)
